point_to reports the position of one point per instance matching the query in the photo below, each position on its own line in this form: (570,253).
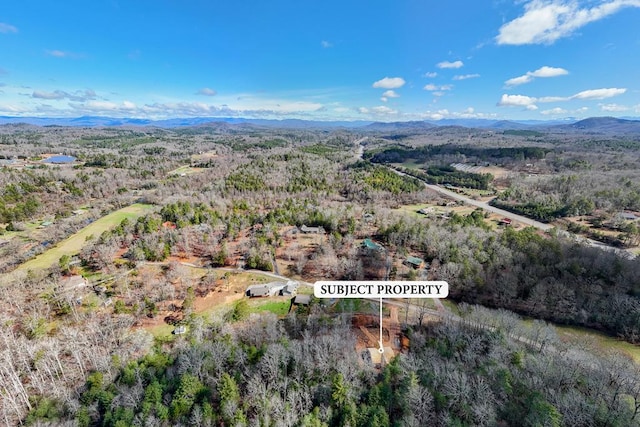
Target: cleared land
(74,244)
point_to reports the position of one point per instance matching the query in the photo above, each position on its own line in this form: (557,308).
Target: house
(414,262)
(367,217)
(266,289)
(311,230)
(169,225)
(427,210)
(45,224)
(371,245)
(628,216)
(179,330)
(290,290)
(73,282)
(505,221)
(256,291)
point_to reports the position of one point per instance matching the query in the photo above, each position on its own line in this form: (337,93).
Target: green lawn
(279,307)
(74,244)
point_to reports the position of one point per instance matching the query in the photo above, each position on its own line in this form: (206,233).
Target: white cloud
(516,101)
(466,76)
(390,94)
(62,54)
(447,64)
(613,108)
(11,109)
(207,92)
(389,83)
(544,71)
(432,87)
(100,106)
(468,113)
(545,21)
(57,53)
(599,93)
(530,102)
(383,110)
(516,81)
(6,28)
(430,74)
(325,44)
(384,99)
(60,94)
(554,112)
(363,110)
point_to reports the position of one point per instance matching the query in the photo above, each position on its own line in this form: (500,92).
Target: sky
(321,60)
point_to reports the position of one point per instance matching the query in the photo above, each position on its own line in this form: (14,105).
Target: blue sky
(323,60)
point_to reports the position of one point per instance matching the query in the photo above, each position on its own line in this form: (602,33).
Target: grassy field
(74,244)
(277,306)
(437,210)
(185,170)
(600,342)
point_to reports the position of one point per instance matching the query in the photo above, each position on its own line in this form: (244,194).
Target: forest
(215,202)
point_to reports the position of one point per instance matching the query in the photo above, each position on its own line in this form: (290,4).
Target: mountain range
(604,125)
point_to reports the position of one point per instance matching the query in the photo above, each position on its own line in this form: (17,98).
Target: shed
(371,245)
(628,216)
(179,330)
(302,300)
(312,230)
(414,262)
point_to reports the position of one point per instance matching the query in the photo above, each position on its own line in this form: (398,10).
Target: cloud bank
(546,21)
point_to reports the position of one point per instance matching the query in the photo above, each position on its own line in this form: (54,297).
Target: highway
(484,205)
(518,218)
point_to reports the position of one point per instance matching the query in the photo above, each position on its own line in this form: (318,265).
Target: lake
(60,159)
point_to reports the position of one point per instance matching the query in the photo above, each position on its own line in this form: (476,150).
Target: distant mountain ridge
(606,125)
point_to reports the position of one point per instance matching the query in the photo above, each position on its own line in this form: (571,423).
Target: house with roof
(290,290)
(179,330)
(426,210)
(371,245)
(628,216)
(311,230)
(73,282)
(266,289)
(414,262)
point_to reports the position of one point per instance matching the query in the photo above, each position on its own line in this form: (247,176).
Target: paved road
(523,219)
(485,206)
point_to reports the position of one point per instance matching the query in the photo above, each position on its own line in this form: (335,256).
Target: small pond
(60,159)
